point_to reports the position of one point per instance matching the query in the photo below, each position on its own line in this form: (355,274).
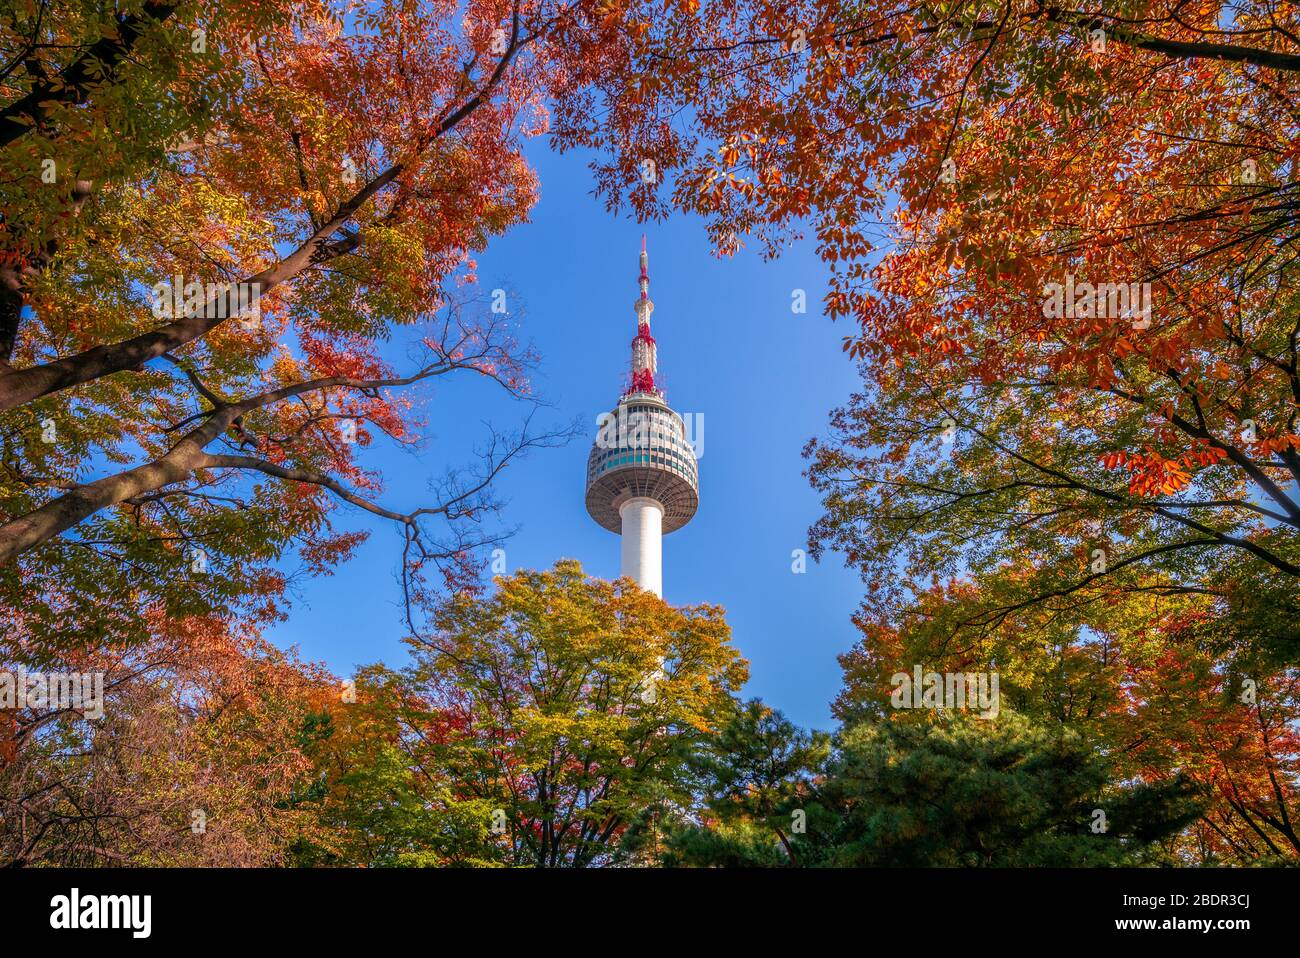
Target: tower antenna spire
(645,358)
(645,270)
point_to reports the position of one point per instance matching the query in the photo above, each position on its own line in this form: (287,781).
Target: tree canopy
(1061,243)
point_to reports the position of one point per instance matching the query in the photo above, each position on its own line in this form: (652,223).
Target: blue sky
(730,348)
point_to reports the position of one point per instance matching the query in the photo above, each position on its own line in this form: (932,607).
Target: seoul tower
(642,476)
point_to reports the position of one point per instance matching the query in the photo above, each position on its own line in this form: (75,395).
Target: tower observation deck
(642,474)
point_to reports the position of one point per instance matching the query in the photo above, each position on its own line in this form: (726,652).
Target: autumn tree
(1166,687)
(198,758)
(535,725)
(378,794)
(1228,723)
(215,219)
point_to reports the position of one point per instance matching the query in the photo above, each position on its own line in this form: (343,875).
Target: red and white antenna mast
(645,362)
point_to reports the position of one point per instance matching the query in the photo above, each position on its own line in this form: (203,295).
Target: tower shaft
(642,543)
